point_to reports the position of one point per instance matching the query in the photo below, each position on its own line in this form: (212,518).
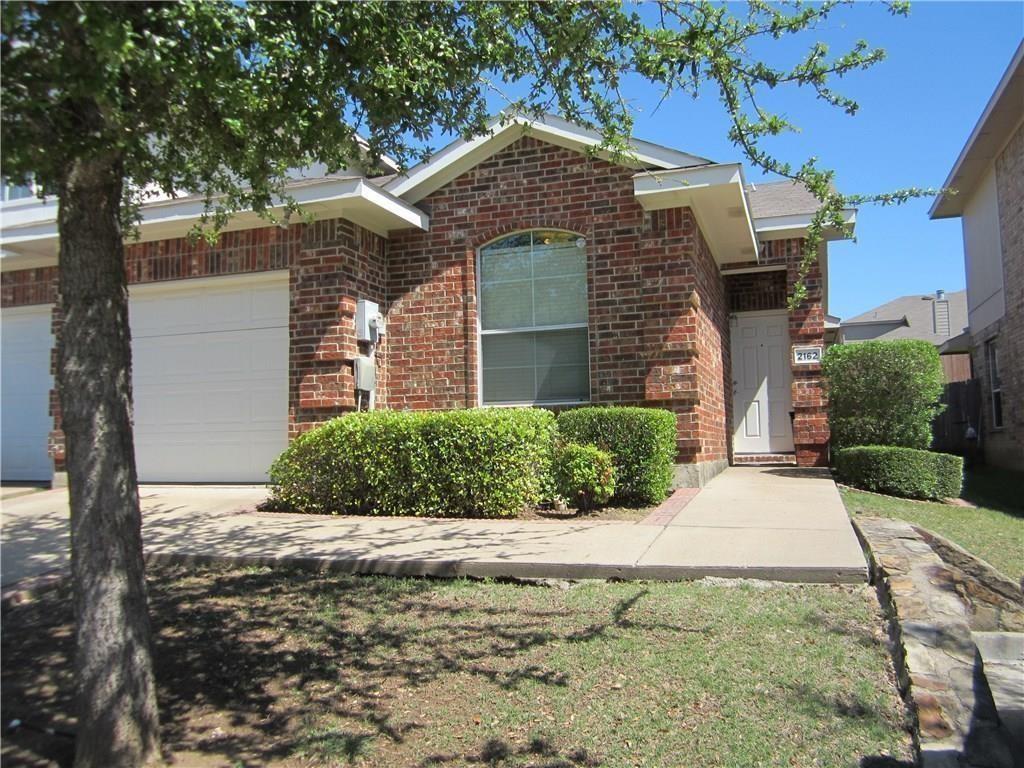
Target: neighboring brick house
(989,179)
(518,268)
(939,318)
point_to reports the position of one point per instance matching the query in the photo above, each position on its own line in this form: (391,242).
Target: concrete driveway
(767,523)
(34,530)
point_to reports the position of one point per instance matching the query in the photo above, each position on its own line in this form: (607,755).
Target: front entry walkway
(765,523)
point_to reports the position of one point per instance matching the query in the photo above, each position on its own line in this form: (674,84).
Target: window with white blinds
(533,319)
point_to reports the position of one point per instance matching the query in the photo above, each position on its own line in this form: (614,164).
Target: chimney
(940,313)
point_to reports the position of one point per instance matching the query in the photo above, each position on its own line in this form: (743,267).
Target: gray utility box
(365,370)
(366,313)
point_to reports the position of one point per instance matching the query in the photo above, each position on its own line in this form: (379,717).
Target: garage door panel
(25,383)
(211,389)
(223,458)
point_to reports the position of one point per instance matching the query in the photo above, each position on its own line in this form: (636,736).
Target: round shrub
(883,392)
(487,462)
(642,442)
(901,471)
(584,475)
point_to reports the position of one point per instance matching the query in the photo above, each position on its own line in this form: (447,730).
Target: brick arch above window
(485,237)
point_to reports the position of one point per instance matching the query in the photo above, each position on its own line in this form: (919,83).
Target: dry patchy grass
(289,668)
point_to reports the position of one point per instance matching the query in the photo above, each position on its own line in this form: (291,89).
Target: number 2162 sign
(806,355)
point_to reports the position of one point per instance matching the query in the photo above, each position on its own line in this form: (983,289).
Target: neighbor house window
(995,387)
(10,191)
(533,319)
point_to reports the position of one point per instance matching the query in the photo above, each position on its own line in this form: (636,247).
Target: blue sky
(916,110)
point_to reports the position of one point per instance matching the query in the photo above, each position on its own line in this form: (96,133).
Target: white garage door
(25,384)
(210,378)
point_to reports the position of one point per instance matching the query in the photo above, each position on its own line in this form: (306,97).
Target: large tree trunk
(116,698)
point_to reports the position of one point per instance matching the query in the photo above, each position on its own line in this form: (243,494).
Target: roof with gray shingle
(918,312)
(780,198)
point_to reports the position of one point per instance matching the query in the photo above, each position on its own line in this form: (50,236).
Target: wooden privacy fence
(962,413)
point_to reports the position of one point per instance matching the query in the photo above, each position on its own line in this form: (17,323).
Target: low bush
(642,442)
(584,475)
(883,392)
(901,471)
(488,462)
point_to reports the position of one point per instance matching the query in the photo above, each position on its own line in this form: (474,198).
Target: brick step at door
(764,459)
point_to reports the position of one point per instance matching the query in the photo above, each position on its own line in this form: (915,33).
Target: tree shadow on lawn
(539,751)
(995,488)
(255,665)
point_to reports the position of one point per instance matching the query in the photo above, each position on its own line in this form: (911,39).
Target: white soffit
(28,235)
(461,155)
(715,194)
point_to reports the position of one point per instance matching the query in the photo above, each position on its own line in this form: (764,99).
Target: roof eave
(796,225)
(462,155)
(716,195)
(1000,116)
(34,242)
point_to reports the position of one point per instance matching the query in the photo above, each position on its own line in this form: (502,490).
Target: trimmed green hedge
(642,442)
(584,475)
(901,471)
(883,392)
(488,462)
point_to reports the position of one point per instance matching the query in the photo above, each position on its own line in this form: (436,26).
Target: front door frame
(785,444)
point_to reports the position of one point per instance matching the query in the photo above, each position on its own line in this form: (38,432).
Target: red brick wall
(756,291)
(646,336)
(337,263)
(331,263)
(24,287)
(806,327)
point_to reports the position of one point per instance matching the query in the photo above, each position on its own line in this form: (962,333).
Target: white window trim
(992,365)
(480,332)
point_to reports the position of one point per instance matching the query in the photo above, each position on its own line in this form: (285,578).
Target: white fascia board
(462,155)
(884,321)
(795,225)
(385,212)
(658,182)
(1003,107)
(754,270)
(717,196)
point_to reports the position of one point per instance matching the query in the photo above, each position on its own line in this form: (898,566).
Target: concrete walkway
(767,523)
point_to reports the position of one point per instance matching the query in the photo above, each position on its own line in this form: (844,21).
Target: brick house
(518,268)
(989,179)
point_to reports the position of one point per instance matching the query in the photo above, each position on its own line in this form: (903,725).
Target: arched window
(533,319)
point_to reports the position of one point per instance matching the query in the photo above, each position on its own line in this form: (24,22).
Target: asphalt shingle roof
(780,198)
(917,309)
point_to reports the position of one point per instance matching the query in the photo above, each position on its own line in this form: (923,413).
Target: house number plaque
(806,355)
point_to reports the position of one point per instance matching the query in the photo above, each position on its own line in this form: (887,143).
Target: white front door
(762,383)
(210,377)
(25,393)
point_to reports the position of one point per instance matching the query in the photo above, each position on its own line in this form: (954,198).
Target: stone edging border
(938,667)
(955,555)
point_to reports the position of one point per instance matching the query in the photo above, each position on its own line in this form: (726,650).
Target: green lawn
(287,668)
(994,531)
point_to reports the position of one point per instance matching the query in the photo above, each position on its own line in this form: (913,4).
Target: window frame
(480,332)
(6,186)
(995,386)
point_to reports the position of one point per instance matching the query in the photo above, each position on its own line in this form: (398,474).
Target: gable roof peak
(504,129)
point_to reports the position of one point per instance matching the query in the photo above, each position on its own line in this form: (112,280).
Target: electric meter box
(367,313)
